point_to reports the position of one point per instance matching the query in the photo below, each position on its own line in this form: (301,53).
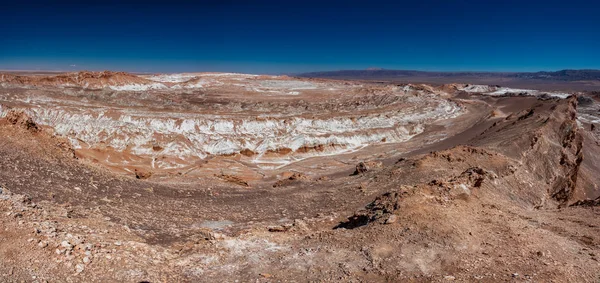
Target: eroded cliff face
(87,80)
(186,135)
(550,151)
(571,156)
(176,137)
(556,152)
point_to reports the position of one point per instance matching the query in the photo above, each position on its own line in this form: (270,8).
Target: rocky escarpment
(481,201)
(557,151)
(537,168)
(571,156)
(84,79)
(21,119)
(549,152)
(173,131)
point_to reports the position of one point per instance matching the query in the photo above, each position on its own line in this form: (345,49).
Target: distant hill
(383,74)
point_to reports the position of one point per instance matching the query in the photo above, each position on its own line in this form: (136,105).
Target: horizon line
(282,73)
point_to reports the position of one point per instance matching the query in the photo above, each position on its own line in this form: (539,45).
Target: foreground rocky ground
(504,190)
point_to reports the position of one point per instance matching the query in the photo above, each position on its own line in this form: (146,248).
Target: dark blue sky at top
(298,36)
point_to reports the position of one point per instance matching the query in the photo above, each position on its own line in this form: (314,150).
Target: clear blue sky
(298,36)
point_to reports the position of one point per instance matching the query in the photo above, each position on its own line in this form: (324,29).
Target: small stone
(58,251)
(300,225)
(66,244)
(42,244)
(278,228)
(86,260)
(515,275)
(118,243)
(79,268)
(142,174)
(392,219)
(361,168)
(206,234)
(449,277)
(219,236)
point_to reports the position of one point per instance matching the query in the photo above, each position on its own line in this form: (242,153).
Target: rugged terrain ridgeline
(361,182)
(563,75)
(563,80)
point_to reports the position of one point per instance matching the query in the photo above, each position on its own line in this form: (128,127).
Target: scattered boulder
(476,176)
(298,225)
(587,202)
(448,156)
(323,178)
(363,187)
(392,219)
(66,245)
(247,152)
(461,186)
(278,228)
(207,234)
(381,208)
(291,179)
(364,167)
(142,174)
(79,268)
(19,118)
(361,168)
(233,179)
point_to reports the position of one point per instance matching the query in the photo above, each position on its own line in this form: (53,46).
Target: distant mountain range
(383,74)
